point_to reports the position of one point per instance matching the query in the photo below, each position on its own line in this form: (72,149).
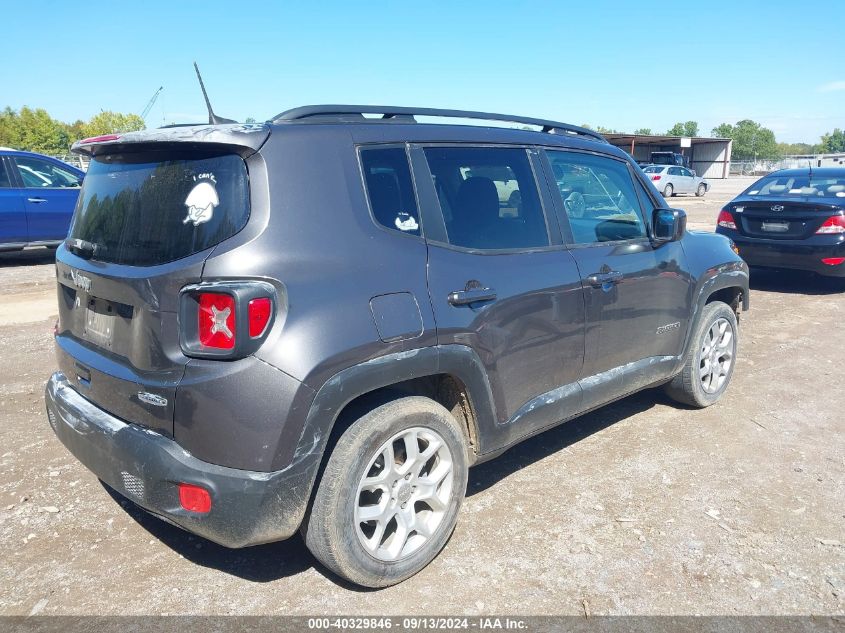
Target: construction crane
(150,104)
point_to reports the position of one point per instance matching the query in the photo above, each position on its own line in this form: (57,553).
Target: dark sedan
(793,218)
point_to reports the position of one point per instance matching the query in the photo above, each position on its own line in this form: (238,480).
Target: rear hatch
(152,207)
(781,220)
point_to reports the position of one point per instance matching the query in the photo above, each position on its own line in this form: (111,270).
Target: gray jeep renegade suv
(321,322)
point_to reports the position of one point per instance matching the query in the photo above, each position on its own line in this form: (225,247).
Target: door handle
(36,200)
(472,295)
(597,280)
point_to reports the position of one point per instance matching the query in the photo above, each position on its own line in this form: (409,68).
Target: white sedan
(671,180)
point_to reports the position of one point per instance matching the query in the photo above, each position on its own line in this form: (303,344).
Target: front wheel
(710,359)
(668,191)
(702,189)
(389,496)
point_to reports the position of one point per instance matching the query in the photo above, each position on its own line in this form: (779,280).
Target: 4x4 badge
(201,202)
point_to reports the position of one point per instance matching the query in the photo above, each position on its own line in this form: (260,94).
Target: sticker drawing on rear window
(201,200)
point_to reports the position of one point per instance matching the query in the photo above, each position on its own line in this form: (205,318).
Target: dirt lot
(639,508)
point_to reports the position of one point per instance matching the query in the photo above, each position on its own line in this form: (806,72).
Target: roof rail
(407,114)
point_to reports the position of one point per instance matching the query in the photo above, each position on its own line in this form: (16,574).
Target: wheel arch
(728,283)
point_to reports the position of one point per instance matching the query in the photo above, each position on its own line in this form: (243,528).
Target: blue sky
(618,64)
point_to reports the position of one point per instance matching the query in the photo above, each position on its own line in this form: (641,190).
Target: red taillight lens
(258,314)
(833,261)
(726,220)
(105,138)
(194,498)
(656,177)
(832,225)
(216,320)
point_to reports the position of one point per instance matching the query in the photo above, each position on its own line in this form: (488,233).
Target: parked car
(793,218)
(671,180)
(321,322)
(669,158)
(37,198)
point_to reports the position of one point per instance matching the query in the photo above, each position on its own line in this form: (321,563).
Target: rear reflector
(194,498)
(832,225)
(833,261)
(726,220)
(258,314)
(216,325)
(656,177)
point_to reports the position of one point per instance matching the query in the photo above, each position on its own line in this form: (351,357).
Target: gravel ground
(641,507)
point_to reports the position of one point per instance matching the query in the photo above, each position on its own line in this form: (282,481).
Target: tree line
(750,139)
(33,129)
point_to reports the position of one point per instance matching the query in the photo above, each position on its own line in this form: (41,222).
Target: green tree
(645,131)
(690,128)
(833,142)
(750,139)
(798,148)
(33,130)
(605,130)
(250,119)
(107,122)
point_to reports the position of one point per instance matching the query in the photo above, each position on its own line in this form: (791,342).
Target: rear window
(143,210)
(653,170)
(799,186)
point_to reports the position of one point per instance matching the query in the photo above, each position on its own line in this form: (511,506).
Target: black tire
(668,191)
(331,531)
(701,190)
(687,387)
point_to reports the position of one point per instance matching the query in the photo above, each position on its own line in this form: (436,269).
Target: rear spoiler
(247,137)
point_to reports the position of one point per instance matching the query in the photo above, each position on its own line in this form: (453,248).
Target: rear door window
(44,174)
(147,209)
(488,197)
(390,189)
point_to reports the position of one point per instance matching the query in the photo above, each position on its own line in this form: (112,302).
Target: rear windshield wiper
(83,248)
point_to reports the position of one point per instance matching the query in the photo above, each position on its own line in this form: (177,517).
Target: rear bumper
(791,254)
(248,508)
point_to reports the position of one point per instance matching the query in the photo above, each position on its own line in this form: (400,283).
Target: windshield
(799,186)
(148,209)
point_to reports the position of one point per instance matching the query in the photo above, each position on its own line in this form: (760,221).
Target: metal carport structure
(709,157)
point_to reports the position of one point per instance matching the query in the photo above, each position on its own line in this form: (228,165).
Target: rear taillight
(216,320)
(227,319)
(726,220)
(258,313)
(833,225)
(833,261)
(656,177)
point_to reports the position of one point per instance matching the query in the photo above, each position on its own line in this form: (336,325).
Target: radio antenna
(213,119)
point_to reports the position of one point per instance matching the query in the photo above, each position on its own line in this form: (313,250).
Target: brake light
(656,177)
(258,315)
(726,220)
(834,224)
(216,326)
(105,138)
(833,261)
(194,498)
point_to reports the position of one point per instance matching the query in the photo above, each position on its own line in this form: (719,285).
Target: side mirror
(667,225)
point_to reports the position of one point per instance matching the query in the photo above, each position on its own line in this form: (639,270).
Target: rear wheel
(668,191)
(702,189)
(389,497)
(710,359)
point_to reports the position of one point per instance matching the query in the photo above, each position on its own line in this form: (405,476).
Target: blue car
(37,198)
